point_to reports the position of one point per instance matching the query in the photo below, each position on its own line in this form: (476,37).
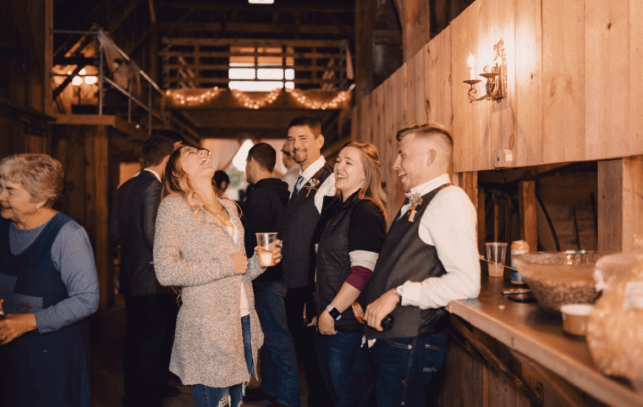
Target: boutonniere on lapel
(311,185)
(416,200)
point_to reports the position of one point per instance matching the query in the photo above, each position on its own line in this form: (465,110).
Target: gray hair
(41,175)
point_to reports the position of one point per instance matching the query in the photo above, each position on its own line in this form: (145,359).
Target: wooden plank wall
(575,89)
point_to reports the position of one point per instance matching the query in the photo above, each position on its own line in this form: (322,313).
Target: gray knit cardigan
(195,254)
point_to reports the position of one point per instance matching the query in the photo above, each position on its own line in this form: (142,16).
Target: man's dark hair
(313,124)
(220,177)
(155,149)
(173,135)
(264,154)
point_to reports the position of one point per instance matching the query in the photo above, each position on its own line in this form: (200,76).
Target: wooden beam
(121,15)
(97,208)
(152,11)
(528,223)
(387,37)
(243,6)
(258,28)
(620,206)
(214,42)
(416,25)
(364,27)
(27,39)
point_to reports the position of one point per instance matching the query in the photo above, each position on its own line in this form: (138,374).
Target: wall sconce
(495,74)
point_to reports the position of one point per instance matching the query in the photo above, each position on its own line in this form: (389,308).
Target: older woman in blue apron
(48,286)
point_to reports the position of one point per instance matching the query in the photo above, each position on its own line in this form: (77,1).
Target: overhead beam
(253,42)
(335,8)
(121,15)
(26,36)
(257,28)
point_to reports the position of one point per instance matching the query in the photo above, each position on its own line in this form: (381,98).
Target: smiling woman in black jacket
(349,236)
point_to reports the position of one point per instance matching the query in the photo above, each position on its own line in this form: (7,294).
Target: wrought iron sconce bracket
(496,85)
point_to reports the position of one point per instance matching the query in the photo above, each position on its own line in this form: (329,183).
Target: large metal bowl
(558,278)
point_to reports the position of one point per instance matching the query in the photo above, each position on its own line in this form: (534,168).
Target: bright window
(253,72)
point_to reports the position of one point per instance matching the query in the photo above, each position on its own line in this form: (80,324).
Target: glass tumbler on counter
(496,253)
(267,242)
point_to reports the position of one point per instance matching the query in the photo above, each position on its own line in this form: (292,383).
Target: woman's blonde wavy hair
(372,189)
(177,183)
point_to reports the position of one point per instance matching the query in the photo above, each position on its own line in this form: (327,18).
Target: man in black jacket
(264,204)
(149,307)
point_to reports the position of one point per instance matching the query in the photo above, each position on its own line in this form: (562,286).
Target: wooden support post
(482,222)
(620,206)
(364,26)
(97,207)
(528,223)
(416,25)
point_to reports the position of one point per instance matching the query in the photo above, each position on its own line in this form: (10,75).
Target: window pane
(241,73)
(290,74)
(290,85)
(253,86)
(270,73)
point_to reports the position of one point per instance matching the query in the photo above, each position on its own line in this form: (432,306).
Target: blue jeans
(336,354)
(206,396)
(278,362)
(394,371)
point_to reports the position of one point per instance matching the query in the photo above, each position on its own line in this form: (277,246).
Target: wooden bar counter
(532,335)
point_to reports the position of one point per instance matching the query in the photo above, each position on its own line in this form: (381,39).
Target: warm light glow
(82,72)
(471,61)
(312,103)
(77,81)
(261,1)
(194,100)
(239,160)
(90,80)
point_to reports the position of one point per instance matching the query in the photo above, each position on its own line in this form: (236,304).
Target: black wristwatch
(333,312)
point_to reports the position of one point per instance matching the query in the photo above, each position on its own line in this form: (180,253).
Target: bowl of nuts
(558,278)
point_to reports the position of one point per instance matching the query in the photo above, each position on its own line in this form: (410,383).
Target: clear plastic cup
(267,242)
(496,253)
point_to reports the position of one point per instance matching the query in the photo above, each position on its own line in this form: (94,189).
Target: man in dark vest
(316,180)
(150,308)
(429,258)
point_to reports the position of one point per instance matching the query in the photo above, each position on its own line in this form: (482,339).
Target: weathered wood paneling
(529,114)
(470,120)
(563,33)
(606,78)
(414,86)
(437,83)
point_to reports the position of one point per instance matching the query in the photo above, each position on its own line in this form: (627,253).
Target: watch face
(335,314)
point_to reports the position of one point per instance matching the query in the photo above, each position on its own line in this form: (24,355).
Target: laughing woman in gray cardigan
(199,246)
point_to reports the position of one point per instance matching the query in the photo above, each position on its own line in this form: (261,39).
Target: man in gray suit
(150,308)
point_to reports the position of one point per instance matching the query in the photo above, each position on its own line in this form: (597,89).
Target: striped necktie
(298,185)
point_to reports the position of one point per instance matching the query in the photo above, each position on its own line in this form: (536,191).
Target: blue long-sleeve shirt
(73,257)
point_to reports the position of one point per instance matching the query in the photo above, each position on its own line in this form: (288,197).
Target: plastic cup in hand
(267,242)
(496,253)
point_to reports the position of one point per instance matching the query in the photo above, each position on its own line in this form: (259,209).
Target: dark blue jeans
(336,354)
(394,371)
(278,361)
(206,396)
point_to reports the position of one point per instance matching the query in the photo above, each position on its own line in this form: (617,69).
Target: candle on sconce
(471,61)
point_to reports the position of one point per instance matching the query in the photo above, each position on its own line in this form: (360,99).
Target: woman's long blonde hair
(177,183)
(372,189)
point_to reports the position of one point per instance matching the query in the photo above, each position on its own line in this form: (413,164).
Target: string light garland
(318,105)
(252,103)
(195,100)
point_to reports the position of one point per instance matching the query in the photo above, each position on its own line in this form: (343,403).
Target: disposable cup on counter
(496,253)
(575,317)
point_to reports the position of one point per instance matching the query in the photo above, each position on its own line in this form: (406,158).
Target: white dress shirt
(326,189)
(290,176)
(448,223)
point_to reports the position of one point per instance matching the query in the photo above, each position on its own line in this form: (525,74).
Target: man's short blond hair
(41,175)
(425,129)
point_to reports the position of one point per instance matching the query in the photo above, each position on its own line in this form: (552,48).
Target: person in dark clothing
(150,308)
(316,180)
(349,237)
(264,204)
(221,180)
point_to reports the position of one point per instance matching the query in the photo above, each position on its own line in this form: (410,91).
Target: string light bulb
(306,101)
(252,103)
(194,100)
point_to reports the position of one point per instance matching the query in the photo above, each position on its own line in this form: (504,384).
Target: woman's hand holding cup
(268,249)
